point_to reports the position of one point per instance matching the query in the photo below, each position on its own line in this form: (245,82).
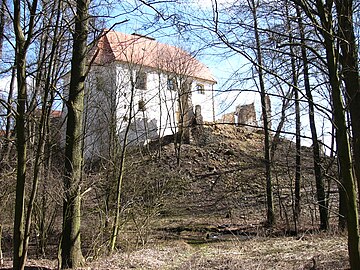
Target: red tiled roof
(143,51)
(55,114)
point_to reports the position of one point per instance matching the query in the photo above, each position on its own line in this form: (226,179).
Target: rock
(229,152)
(211,168)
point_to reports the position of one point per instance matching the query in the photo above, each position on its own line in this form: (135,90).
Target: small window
(200,88)
(171,84)
(100,84)
(141,105)
(141,78)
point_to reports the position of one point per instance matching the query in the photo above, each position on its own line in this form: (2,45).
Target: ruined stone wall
(197,129)
(246,114)
(228,118)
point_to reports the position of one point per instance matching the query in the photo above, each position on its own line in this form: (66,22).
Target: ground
(208,212)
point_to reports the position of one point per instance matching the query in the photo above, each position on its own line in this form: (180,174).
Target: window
(100,83)
(171,84)
(141,78)
(141,105)
(200,88)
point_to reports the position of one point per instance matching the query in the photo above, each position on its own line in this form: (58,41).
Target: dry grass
(328,252)
(169,211)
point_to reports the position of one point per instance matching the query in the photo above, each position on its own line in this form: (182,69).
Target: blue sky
(230,69)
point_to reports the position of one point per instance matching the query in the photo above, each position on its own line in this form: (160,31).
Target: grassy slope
(208,212)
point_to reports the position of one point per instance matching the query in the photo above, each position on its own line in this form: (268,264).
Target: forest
(81,189)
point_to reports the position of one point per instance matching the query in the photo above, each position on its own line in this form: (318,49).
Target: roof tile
(144,51)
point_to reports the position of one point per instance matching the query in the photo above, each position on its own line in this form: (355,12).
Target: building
(141,90)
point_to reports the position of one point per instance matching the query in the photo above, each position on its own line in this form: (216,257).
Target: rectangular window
(200,88)
(100,84)
(171,84)
(140,80)
(141,105)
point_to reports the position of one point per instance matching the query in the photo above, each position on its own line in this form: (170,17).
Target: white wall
(205,100)
(114,95)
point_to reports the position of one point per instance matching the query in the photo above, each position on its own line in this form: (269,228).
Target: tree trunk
(342,141)
(297,162)
(71,255)
(2,24)
(1,254)
(269,189)
(115,228)
(320,190)
(350,71)
(9,116)
(21,142)
(347,179)
(342,203)
(294,68)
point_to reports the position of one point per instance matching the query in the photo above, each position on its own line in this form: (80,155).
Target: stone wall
(228,118)
(246,115)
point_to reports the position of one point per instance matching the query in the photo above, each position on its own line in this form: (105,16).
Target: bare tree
(320,190)
(350,70)
(322,18)
(71,255)
(265,115)
(22,45)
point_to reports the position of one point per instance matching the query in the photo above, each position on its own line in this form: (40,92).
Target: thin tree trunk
(342,203)
(21,47)
(269,188)
(42,129)
(320,190)
(115,229)
(2,24)
(1,253)
(297,199)
(21,144)
(9,116)
(71,255)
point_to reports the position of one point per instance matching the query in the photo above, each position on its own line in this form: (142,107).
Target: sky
(227,68)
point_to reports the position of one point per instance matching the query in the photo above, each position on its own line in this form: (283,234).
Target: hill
(204,208)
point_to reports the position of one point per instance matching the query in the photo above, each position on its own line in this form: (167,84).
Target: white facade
(111,102)
(140,90)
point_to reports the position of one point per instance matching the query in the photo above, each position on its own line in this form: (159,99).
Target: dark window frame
(171,84)
(141,80)
(141,105)
(200,88)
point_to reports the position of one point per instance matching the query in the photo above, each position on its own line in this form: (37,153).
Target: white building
(141,89)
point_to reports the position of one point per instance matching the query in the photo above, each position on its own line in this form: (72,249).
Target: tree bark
(342,141)
(320,190)
(269,188)
(21,144)
(350,71)
(2,24)
(71,255)
(297,186)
